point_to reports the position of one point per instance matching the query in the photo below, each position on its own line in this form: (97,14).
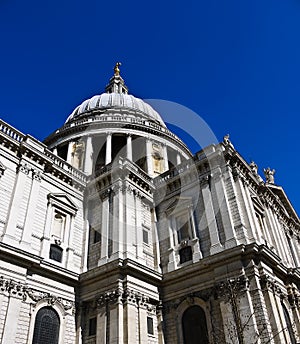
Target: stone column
(69,232)
(149,157)
(269,287)
(45,242)
(283,240)
(101,325)
(165,156)
(256,230)
(10,228)
(70,152)
(108,148)
(178,158)
(54,150)
(138,228)
(216,245)
(118,223)
(104,230)
(129,235)
(142,318)
(129,147)
(197,254)
(12,313)
(116,325)
(88,160)
(295,251)
(130,319)
(248,229)
(273,231)
(236,234)
(154,228)
(173,240)
(31,208)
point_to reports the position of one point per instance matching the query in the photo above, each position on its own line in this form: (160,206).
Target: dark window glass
(194,326)
(46,327)
(185,254)
(145,236)
(56,253)
(97,236)
(92,326)
(150,327)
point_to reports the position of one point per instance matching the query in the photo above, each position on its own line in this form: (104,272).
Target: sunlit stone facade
(111,231)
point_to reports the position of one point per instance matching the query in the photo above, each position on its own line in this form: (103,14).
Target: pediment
(63,201)
(179,203)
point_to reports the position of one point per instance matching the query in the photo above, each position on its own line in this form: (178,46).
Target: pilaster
(210,217)
(32,203)
(23,171)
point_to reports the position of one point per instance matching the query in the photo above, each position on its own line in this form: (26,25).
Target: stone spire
(116,83)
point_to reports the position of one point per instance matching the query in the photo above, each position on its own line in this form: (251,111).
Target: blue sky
(235,63)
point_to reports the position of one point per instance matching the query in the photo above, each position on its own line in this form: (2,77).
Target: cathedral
(113,232)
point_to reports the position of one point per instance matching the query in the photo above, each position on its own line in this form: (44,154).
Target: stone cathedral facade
(112,231)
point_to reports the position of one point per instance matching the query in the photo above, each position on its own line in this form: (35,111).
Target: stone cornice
(36,153)
(240,169)
(99,121)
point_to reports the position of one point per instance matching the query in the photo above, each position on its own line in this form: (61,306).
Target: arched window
(46,327)
(194,326)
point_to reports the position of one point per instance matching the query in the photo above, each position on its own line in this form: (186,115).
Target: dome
(116,101)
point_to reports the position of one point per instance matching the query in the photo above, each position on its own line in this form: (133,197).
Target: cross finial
(116,69)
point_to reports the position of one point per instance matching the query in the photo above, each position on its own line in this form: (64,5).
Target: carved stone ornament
(232,286)
(2,169)
(111,296)
(293,296)
(36,175)
(269,283)
(24,168)
(36,296)
(12,288)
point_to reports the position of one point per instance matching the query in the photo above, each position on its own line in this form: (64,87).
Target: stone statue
(253,167)
(269,174)
(226,139)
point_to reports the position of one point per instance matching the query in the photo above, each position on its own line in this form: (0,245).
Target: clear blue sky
(236,63)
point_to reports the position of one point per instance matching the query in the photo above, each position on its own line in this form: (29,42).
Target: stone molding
(12,288)
(24,168)
(293,296)
(269,283)
(51,299)
(111,296)
(2,169)
(231,286)
(125,296)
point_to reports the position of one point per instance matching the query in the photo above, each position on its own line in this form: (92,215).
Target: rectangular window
(150,327)
(97,236)
(145,236)
(183,227)
(92,326)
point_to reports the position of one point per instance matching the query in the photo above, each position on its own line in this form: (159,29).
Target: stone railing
(122,118)
(125,162)
(61,163)
(11,131)
(17,136)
